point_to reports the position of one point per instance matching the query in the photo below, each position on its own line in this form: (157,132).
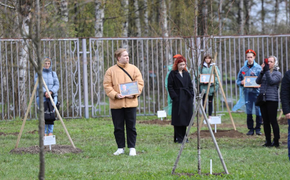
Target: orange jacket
(115,76)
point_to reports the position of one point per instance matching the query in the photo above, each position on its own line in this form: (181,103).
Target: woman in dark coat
(180,89)
(270,79)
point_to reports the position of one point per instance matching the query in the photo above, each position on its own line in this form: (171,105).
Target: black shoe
(268,145)
(275,143)
(251,132)
(258,132)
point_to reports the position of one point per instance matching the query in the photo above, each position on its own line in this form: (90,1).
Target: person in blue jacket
(52,83)
(248,95)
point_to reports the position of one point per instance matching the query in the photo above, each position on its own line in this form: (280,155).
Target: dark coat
(181,92)
(285,93)
(269,84)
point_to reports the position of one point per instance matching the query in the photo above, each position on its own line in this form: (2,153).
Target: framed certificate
(204,78)
(250,81)
(127,89)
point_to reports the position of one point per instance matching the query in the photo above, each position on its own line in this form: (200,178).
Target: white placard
(49,140)
(214,120)
(161,114)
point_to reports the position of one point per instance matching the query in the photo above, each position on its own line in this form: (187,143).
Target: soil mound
(156,121)
(57,149)
(219,134)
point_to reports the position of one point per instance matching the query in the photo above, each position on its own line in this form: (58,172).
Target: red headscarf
(251,51)
(178,59)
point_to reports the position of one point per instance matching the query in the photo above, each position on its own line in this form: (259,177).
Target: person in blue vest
(248,95)
(52,83)
(205,68)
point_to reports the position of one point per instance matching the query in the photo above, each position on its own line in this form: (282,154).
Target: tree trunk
(241,23)
(64,10)
(99,16)
(137,18)
(40,91)
(263,17)
(23,55)
(276,14)
(125,5)
(146,28)
(220,17)
(163,19)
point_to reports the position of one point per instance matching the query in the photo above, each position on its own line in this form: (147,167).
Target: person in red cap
(180,89)
(248,95)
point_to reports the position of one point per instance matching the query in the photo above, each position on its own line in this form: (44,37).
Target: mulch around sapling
(220,134)
(156,121)
(56,149)
(203,133)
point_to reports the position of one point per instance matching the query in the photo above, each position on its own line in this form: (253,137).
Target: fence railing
(81,65)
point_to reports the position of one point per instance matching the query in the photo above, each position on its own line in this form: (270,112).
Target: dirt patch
(32,132)
(283,121)
(5,134)
(57,149)
(219,134)
(156,121)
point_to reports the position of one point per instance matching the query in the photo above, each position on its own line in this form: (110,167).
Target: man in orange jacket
(123,108)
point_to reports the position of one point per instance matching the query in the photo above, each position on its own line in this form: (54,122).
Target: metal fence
(81,64)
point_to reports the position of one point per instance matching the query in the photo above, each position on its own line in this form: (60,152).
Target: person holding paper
(248,95)
(205,68)
(123,108)
(51,80)
(180,89)
(270,79)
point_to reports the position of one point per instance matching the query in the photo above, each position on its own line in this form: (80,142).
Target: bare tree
(241,15)
(125,5)
(99,17)
(146,27)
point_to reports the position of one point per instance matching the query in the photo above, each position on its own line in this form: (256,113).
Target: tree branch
(5,5)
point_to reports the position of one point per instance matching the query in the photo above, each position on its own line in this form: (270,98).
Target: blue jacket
(51,81)
(253,71)
(269,84)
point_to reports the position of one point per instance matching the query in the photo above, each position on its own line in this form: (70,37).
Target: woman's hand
(263,65)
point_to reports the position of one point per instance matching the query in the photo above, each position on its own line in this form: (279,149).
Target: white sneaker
(119,151)
(132,152)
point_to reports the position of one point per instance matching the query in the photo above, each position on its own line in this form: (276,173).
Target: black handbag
(49,114)
(261,99)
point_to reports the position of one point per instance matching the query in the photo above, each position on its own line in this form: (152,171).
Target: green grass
(245,158)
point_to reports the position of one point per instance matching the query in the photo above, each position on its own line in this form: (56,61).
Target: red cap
(251,51)
(177,55)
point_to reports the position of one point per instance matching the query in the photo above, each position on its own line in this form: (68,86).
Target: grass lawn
(244,157)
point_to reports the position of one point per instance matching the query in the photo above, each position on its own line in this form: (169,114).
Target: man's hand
(119,96)
(243,82)
(130,96)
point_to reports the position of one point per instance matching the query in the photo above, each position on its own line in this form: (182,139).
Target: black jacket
(180,89)
(285,93)
(270,83)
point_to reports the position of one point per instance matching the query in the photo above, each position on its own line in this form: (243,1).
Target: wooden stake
(26,114)
(58,115)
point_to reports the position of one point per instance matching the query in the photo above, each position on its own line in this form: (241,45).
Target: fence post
(85,76)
